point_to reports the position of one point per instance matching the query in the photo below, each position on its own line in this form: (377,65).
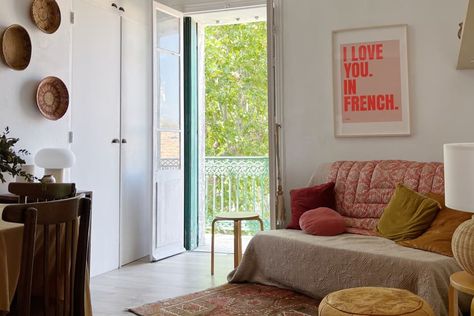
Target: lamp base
(462,245)
(58,174)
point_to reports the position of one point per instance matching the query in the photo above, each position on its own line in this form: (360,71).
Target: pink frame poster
(370,79)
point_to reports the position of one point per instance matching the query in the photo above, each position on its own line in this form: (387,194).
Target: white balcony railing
(237,184)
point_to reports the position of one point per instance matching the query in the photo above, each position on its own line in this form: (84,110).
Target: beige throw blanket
(317,266)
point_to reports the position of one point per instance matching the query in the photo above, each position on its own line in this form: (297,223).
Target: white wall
(441,97)
(50,57)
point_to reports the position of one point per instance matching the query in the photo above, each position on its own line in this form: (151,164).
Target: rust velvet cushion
(306,199)
(437,237)
(322,221)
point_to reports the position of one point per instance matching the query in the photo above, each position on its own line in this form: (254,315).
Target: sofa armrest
(320,175)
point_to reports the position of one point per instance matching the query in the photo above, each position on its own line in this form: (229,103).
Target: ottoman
(374,301)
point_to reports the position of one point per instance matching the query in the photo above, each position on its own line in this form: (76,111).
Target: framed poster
(370,81)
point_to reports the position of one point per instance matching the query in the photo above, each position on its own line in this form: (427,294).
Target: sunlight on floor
(223,243)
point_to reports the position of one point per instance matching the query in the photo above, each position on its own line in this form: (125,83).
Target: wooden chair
(28,217)
(38,192)
(67,254)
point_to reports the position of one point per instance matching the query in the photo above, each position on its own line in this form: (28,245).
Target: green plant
(237,118)
(10,160)
(236,90)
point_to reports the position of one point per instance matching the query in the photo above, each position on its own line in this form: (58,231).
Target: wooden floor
(224,243)
(142,282)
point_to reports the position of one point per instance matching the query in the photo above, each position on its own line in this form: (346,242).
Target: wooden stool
(237,217)
(374,301)
(463,282)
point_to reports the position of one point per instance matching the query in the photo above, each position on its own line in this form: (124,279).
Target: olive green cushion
(407,215)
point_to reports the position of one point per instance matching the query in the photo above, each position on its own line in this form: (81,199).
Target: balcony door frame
(275,113)
(168,181)
(275,109)
(275,117)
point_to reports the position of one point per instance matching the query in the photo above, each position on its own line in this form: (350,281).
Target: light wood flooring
(224,243)
(142,282)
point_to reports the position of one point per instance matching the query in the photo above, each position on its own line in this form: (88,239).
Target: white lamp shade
(55,158)
(459,176)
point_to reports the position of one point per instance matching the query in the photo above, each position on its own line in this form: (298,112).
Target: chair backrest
(39,192)
(28,217)
(64,252)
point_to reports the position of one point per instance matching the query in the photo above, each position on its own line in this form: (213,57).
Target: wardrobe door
(96,124)
(136,122)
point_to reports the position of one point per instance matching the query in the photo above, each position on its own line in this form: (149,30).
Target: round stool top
(375,301)
(237,216)
(463,281)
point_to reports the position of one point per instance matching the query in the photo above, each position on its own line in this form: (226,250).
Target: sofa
(317,265)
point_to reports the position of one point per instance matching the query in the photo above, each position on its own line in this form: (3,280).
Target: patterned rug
(234,299)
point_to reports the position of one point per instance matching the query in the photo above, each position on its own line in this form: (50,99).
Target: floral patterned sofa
(363,188)
(317,265)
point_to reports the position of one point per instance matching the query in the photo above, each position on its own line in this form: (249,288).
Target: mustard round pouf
(378,301)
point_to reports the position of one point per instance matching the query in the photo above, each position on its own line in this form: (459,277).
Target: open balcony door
(275,113)
(168,163)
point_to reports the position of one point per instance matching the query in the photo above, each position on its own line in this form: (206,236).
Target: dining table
(11,237)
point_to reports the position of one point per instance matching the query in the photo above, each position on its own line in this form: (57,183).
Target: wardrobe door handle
(124,141)
(122,9)
(115,141)
(114,5)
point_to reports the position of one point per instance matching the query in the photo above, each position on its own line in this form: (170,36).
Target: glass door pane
(168,32)
(168,90)
(168,177)
(170,151)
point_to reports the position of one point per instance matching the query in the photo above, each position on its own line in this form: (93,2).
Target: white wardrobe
(112,125)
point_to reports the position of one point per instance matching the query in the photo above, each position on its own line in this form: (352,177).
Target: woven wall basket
(16,47)
(52,98)
(46,15)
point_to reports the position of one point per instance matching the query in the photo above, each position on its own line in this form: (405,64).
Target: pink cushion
(306,199)
(364,188)
(322,221)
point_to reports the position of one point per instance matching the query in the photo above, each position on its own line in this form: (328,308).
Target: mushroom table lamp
(459,184)
(54,161)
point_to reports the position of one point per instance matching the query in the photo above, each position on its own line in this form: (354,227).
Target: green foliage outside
(236,90)
(236,116)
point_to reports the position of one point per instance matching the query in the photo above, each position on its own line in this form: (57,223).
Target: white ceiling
(232,16)
(196,6)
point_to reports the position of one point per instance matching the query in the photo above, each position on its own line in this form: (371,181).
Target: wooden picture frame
(370,81)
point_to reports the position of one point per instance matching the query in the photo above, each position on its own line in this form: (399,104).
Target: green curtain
(191,150)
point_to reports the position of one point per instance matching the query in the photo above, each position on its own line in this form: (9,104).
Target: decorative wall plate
(46,15)
(52,98)
(16,47)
